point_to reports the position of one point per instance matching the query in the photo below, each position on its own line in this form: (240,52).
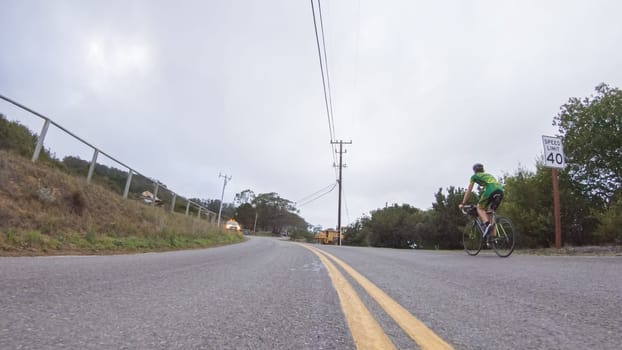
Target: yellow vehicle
(328,236)
(232,225)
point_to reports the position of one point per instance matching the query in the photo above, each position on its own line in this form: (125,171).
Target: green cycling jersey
(489,183)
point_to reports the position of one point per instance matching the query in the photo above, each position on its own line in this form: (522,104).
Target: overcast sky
(185,90)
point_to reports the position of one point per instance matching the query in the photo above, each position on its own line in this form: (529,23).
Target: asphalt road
(485,302)
(273,294)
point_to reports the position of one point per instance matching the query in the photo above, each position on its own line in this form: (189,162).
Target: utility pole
(222,196)
(340,182)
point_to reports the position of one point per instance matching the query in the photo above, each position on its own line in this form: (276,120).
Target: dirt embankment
(43,209)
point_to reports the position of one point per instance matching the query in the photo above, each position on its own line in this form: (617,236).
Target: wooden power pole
(340,182)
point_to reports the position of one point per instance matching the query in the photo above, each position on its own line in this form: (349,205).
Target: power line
(330,96)
(356,55)
(319,52)
(318,196)
(331,127)
(345,204)
(329,108)
(314,193)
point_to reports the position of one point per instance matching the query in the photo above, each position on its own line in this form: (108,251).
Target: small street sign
(553,152)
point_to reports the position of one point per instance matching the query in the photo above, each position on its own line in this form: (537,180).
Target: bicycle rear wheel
(505,237)
(472,239)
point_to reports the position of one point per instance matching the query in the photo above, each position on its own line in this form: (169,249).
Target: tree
(357,232)
(245,215)
(447,220)
(246,212)
(244,197)
(591,129)
(276,214)
(611,220)
(389,227)
(528,203)
(424,231)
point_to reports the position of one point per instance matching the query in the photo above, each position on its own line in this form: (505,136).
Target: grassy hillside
(45,210)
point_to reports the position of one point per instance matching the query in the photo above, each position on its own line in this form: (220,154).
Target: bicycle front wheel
(472,239)
(505,237)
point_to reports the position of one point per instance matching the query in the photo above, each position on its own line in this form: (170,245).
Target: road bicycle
(501,239)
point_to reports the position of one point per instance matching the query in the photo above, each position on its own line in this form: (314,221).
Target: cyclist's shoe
(487,230)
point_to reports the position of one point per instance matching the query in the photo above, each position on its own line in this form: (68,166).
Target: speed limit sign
(553,152)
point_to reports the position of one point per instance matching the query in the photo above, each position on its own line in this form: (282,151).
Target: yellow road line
(366,331)
(417,330)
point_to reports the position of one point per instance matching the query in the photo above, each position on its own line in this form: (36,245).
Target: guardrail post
(92,167)
(40,139)
(127,183)
(187,208)
(155,193)
(199,213)
(173,203)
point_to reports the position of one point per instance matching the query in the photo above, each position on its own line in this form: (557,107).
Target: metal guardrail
(96,152)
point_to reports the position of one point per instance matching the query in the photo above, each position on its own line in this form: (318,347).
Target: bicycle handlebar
(466,207)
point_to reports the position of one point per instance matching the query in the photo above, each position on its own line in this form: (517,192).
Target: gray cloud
(187,90)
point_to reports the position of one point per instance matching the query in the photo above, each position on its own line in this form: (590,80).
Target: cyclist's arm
(467,194)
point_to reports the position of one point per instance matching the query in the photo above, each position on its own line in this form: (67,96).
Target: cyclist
(491,187)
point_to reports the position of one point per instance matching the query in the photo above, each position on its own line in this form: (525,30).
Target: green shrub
(11,236)
(90,236)
(16,137)
(33,239)
(301,235)
(610,230)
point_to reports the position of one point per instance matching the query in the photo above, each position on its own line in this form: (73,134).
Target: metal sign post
(554,158)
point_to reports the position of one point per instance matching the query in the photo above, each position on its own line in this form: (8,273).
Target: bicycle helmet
(478,168)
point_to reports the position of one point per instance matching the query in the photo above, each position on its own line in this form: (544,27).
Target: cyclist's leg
(481,211)
(494,199)
(482,206)
(491,217)
(493,202)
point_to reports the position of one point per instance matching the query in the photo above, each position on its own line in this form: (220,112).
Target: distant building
(148,198)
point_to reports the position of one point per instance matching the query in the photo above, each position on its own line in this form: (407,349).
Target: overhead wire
(356,55)
(328,105)
(330,97)
(318,196)
(324,69)
(330,94)
(345,203)
(355,85)
(314,193)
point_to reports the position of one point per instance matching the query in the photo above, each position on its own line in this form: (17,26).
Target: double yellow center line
(365,330)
